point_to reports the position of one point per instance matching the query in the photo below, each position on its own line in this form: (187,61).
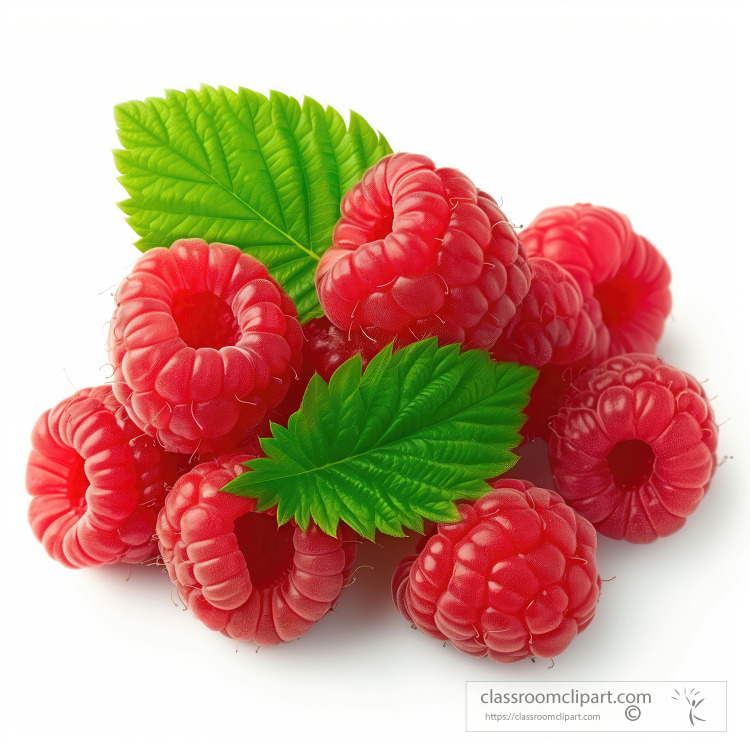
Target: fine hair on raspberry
(204,343)
(633,447)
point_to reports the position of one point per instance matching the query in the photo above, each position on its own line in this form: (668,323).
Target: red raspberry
(515,577)
(420,252)
(633,447)
(550,324)
(240,572)
(325,348)
(204,343)
(97,482)
(617,270)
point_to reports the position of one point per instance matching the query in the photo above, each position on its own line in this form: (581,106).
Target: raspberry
(633,447)
(96,481)
(240,572)
(550,324)
(516,577)
(204,343)
(418,252)
(325,348)
(618,271)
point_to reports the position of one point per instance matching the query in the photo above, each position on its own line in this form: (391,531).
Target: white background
(641,107)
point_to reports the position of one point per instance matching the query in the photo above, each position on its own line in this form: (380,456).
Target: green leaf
(265,174)
(420,429)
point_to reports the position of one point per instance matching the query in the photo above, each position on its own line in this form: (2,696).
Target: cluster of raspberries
(204,343)
(207,350)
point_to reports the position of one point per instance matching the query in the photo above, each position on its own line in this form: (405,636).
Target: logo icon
(692,701)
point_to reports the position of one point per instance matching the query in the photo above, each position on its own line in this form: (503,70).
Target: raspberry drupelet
(204,344)
(633,447)
(516,577)
(419,251)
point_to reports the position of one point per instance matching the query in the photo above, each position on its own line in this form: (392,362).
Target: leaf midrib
(232,193)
